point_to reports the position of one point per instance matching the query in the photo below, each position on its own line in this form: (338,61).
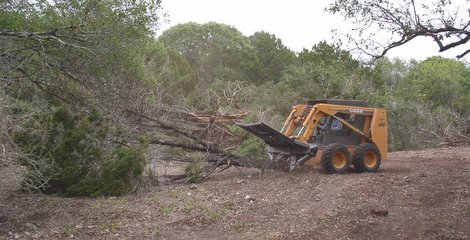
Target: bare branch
(403,22)
(463,54)
(179,145)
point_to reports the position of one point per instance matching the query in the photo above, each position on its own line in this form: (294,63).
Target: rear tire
(336,159)
(367,158)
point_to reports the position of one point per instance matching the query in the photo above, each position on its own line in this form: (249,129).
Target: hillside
(415,195)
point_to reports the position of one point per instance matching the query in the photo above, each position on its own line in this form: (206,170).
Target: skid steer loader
(333,133)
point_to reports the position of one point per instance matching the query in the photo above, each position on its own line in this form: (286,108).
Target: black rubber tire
(328,155)
(359,158)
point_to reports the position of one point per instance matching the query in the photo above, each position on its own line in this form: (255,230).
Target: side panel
(378,129)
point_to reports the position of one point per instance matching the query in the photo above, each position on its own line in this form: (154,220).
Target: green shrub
(152,177)
(252,148)
(74,153)
(195,169)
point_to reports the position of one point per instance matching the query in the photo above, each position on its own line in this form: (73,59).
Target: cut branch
(208,146)
(179,145)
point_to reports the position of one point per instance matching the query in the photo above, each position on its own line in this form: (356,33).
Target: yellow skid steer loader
(333,133)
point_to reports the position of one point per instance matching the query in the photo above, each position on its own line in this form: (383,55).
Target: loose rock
(31,226)
(250,198)
(379,212)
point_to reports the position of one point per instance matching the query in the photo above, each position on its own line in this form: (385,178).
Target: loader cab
(331,130)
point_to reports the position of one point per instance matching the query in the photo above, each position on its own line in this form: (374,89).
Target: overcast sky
(298,23)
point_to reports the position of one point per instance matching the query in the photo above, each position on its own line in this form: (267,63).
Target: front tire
(336,159)
(367,158)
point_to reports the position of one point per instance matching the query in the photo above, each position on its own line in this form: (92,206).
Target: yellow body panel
(379,133)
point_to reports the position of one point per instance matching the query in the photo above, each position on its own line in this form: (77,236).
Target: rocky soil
(416,195)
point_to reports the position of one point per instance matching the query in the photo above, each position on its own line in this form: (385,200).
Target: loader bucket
(278,142)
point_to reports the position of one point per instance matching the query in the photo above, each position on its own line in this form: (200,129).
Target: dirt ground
(415,195)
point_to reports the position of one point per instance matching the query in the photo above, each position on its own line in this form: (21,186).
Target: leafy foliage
(440,81)
(252,148)
(208,47)
(272,57)
(72,153)
(66,51)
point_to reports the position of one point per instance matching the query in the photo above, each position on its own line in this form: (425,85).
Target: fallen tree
(188,137)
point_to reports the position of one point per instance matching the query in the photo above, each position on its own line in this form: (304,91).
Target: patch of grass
(166,208)
(103,225)
(242,225)
(467,211)
(190,206)
(271,211)
(155,198)
(69,229)
(214,214)
(175,193)
(157,230)
(194,204)
(96,206)
(115,200)
(323,222)
(263,235)
(113,225)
